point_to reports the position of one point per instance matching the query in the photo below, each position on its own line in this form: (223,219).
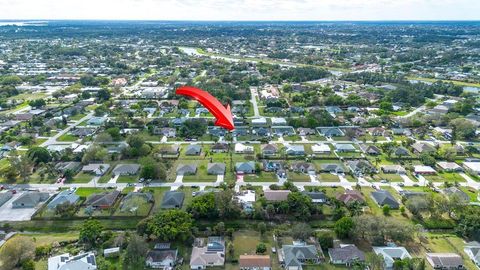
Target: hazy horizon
(242,10)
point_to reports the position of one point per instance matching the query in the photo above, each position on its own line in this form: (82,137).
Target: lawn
(201,175)
(77,117)
(442,242)
(82,178)
(388,176)
(298,177)
(472,193)
(87,191)
(327,177)
(134,206)
(158,193)
(245,242)
(127,179)
(445,177)
(39,141)
(67,138)
(261,177)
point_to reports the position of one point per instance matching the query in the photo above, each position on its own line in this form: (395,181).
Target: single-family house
(207,253)
(245,167)
(83,261)
(303,167)
(472,166)
(401,152)
(393,169)
(66,196)
(126,169)
(454,191)
(186,169)
(472,249)
(420,148)
(321,148)
(330,131)
(165,259)
(72,166)
(361,166)
(269,149)
(423,169)
(169,150)
(370,149)
(241,148)
(344,147)
(449,166)
(317,197)
(96,121)
(306,131)
(97,169)
(219,148)
(255,262)
(351,196)
(390,254)
(296,255)
(295,150)
(383,197)
(30,199)
(193,150)
(166,131)
(102,200)
(276,195)
(445,261)
(346,255)
(173,199)
(5,196)
(278,121)
(216,168)
(332,168)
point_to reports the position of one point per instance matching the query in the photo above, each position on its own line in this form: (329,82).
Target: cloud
(242,9)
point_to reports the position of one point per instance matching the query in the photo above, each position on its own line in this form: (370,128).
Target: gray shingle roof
(173,199)
(383,197)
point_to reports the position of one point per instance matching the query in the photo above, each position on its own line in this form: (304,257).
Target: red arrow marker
(223,115)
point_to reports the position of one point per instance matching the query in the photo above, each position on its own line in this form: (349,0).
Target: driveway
(114,179)
(7,213)
(179,179)
(220,179)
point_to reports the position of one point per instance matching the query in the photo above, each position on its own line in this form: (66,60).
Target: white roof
(278,120)
(261,120)
(448,165)
(474,166)
(321,148)
(240,147)
(424,169)
(247,196)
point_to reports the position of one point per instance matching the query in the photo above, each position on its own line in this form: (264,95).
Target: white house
(85,261)
(241,148)
(473,167)
(321,148)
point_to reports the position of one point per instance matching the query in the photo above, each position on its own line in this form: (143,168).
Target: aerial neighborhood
(347,153)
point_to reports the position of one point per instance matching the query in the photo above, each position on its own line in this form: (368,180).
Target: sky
(239,10)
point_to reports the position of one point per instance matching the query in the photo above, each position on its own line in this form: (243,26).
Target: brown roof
(351,196)
(276,195)
(254,261)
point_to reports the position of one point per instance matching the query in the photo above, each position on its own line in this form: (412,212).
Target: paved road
(53,139)
(253,100)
